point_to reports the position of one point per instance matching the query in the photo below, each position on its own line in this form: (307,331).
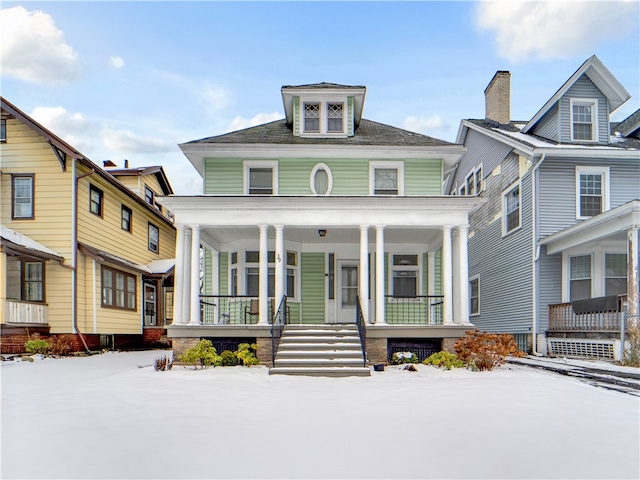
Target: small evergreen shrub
(400,358)
(35,345)
(485,351)
(162,363)
(246,354)
(203,354)
(229,359)
(444,360)
(59,346)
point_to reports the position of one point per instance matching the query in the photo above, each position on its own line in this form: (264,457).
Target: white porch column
(447,280)
(633,275)
(363,283)
(186,276)
(178,277)
(431,281)
(380,300)
(281,261)
(195,275)
(463,273)
(455,275)
(263,278)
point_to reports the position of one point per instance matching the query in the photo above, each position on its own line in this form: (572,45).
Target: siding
(549,286)
(584,88)
(548,126)
(224,273)
(313,286)
(223,176)
(481,150)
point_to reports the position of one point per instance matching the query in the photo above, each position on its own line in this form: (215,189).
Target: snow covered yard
(105,417)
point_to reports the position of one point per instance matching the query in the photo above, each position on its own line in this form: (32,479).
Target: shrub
(163,363)
(203,353)
(229,359)
(35,344)
(59,346)
(485,351)
(399,358)
(246,354)
(444,359)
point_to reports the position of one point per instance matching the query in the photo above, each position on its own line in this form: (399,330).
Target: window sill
(510,232)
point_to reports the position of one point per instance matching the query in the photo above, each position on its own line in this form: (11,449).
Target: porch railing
(280,319)
(362,330)
(228,309)
(420,309)
(563,318)
(26,312)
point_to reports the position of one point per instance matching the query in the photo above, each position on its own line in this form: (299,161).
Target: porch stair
(332,350)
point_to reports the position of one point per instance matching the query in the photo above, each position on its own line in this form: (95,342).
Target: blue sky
(134,79)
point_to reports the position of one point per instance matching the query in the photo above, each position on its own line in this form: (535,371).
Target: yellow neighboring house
(85,251)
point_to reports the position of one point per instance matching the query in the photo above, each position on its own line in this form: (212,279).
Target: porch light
(322,232)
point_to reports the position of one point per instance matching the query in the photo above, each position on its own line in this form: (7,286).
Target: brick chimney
(497,98)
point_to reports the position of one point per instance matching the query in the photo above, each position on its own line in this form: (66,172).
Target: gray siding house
(553,251)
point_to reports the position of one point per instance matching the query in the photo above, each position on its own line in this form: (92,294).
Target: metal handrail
(277,326)
(414,309)
(362,330)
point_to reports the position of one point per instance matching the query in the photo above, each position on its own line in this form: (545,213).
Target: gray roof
(629,127)
(323,85)
(367,133)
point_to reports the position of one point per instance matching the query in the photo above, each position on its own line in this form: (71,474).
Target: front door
(149,304)
(347,291)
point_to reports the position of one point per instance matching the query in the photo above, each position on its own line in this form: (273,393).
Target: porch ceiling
(334,235)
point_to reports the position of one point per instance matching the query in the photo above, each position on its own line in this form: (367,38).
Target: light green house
(330,214)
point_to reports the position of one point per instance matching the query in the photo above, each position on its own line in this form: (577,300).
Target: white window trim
(566,271)
(505,192)
(594,117)
(386,164)
(312,183)
(473,173)
(248,164)
(471,278)
(390,268)
(604,171)
(324,115)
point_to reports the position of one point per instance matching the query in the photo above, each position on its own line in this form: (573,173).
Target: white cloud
(239,123)
(549,30)
(116,61)
(74,128)
(127,142)
(34,50)
(425,124)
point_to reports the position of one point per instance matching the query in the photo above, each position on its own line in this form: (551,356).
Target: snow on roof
(161,266)
(24,241)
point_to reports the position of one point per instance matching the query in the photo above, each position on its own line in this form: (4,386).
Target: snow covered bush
(203,353)
(246,354)
(400,358)
(445,360)
(485,351)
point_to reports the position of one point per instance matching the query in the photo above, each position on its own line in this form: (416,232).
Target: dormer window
(583,120)
(334,115)
(312,117)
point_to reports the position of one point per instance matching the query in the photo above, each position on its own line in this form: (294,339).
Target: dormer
(579,111)
(323,110)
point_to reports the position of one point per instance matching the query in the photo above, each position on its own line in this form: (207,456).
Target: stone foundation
(264,352)
(448,343)
(182,344)
(376,350)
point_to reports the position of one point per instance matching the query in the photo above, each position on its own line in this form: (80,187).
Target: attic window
(334,114)
(311,117)
(583,120)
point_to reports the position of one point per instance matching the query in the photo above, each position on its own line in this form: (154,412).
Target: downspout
(535,255)
(74,261)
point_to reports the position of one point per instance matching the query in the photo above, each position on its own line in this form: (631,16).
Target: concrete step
(320,339)
(322,371)
(319,362)
(333,353)
(285,346)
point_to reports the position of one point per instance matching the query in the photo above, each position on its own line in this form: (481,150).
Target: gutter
(74,261)
(535,254)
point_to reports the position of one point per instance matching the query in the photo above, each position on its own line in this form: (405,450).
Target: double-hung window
(386,178)
(592,191)
(261,177)
(252,273)
(96,198)
(405,274)
(579,277)
(118,289)
(511,209)
(584,119)
(33,281)
(154,238)
(334,117)
(312,117)
(615,266)
(3,130)
(126,216)
(22,197)
(474,295)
